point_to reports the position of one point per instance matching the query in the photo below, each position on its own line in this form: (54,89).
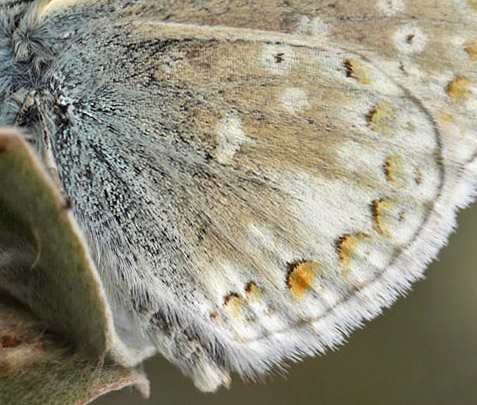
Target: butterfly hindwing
(253,191)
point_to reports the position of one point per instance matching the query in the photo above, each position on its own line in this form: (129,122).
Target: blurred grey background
(421,351)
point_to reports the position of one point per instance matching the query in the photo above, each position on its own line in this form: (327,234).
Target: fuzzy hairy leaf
(44,265)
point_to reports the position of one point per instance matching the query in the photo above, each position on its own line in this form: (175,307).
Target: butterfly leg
(33,106)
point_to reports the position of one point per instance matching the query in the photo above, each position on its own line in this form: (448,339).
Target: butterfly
(252,181)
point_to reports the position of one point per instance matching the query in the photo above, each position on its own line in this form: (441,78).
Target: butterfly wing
(254,193)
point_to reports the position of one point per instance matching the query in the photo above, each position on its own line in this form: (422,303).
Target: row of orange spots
(457,88)
(471,46)
(301,275)
(380,119)
(300,278)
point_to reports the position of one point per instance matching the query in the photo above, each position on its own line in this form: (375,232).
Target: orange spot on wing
(233,305)
(381,118)
(446,117)
(459,88)
(357,70)
(471,49)
(393,169)
(301,276)
(382,210)
(253,291)
(346,246)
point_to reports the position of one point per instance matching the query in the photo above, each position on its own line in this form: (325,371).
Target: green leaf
(45,265)
(38,368)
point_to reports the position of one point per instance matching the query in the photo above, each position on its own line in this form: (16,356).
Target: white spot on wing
(390,7)
(294,100)
(230,136)
(312,26)
(410,39)
(264,241)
